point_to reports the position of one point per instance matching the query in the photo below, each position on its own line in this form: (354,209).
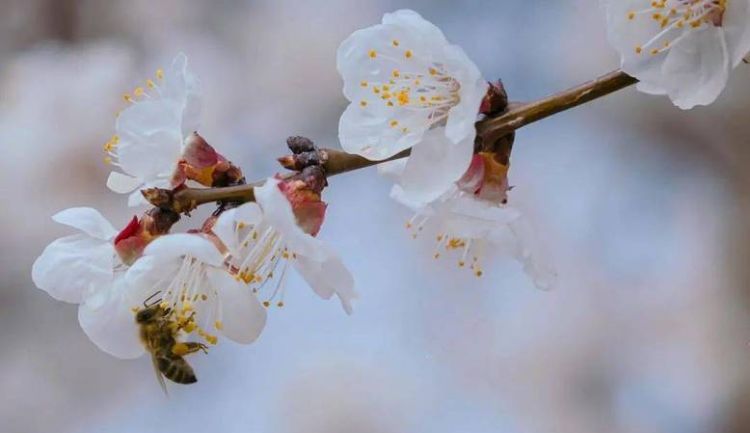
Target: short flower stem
(337,162)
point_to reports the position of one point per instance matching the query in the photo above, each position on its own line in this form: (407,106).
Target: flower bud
(496,99)
(300,144)
(133,239)
(307,205)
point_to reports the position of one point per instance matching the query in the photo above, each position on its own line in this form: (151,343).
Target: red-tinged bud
(198,153)
(287,161)
(133,239)
(130,242)
(486,178)
(203,164)
(309,210)
(471,181)
(495,101)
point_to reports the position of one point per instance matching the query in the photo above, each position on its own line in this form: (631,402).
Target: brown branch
(336,162)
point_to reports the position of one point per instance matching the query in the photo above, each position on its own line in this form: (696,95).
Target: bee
(158,333)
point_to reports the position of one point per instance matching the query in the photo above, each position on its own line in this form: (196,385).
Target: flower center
(677,18)
(418,87)
(260,253)
(190,301)
(467,250)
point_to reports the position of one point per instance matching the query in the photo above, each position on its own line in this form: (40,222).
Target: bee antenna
(146,303)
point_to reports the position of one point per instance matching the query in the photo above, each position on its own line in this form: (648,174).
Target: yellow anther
(478,272)
(107,160)
(189,327)
(396,73)
(150,84)
(408,54)
(363,103)
(160,74)
(204,296)
(218,325)
(395,42)
(394,123)
(372,54)
(127,98)
(461,263)
(187,306)
(433,71)
(631,15)
(138,92)
(280,304)
(164,305)
(403,97)
(638,49)
(212,339)
(266,304)
(134,309)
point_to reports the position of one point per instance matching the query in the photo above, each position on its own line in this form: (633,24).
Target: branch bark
(489,130)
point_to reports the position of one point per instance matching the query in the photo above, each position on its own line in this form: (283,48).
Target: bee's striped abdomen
(176,369)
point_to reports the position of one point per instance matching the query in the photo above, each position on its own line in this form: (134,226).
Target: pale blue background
(643,209)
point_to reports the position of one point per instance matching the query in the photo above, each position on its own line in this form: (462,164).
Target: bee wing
(159,375)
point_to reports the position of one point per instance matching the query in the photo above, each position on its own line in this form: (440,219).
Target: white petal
(169,247)
(463,117)
(87,220)
(148,276)
(737,30)
(531,254)
(434,166)
(277,211)
(328,276)
(111,325)
(182,88)
(122,183)
(226,225)
(698,68)
(150,139)
(71,268)
(367,133)
(242,316)
(392,169)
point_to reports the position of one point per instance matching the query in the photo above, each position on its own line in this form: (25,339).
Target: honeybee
(158,332)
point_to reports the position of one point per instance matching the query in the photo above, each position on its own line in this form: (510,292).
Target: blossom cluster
(215,280)
(410,90)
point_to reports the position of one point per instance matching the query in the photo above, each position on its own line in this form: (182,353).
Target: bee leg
(193,347)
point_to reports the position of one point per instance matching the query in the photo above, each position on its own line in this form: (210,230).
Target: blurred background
(642,208)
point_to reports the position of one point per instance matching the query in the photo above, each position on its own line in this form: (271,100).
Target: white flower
(404,79)
(471,227)
(259,236)
(188,274)
(150,134)
(85,269)
(681,48)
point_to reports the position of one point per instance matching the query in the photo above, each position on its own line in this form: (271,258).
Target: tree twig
(489,130)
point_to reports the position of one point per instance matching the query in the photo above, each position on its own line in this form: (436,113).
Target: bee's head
(148,314)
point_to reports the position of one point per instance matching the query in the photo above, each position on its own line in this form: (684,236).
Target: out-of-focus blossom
(150,134)
(682,48)
(259,236)
(404,79)
(472,219)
